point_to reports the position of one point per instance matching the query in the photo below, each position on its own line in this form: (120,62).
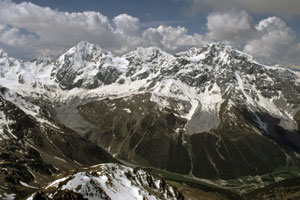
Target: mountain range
(211,114)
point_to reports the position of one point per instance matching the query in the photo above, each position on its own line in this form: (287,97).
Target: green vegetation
(285,179)
(195,183)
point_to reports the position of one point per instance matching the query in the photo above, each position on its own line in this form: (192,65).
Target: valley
(208,122)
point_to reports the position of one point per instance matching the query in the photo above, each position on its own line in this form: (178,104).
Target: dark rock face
(297,119)
(228,158)
(135,130)
(109,75)
(32,152)
(211,112)
(139,132)
(86,66)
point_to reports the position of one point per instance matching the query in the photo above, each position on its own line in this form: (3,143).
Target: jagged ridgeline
(210,112)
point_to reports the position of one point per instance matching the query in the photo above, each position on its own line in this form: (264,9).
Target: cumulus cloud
(28,31)
(57,31)
(11,36)
(172,38)
(14,41)
(229,26)
(128,25)
(127,33)
(273,40)
(271,7)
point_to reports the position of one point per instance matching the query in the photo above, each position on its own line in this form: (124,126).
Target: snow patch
(26,185)
(206,116)
(109,180)
(7,196)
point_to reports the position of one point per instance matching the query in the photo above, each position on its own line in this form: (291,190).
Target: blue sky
(111,8)
(150,12)
(267,29)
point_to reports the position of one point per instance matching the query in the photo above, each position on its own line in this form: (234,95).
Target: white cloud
(57,31)
(284,8)
(229,26)
(128,25)
(273,39)
(17,43)
(127,32)
(12,36)
(171,38)
(29,31)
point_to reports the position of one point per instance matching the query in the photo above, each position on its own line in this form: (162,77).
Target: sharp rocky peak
(215,54)
(86,65)
(147,54)
(83,51)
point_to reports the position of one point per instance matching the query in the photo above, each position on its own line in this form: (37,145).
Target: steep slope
(213,109)
(109,181)
(34,75)
(34,147)
(87,66)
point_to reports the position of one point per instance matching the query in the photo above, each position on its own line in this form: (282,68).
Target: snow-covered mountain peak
(193,73)
(79,56)
(4,60)
(147,63)
(217,47)
(148,54)
(16,73)
(83,51)
(110,181)
(87,65)
(215,54)
(214,89)
(225,55)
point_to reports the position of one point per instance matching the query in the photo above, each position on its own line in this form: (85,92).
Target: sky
(269,30)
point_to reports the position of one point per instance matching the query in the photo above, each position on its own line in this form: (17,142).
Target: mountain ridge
(213,109)
(197,75)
